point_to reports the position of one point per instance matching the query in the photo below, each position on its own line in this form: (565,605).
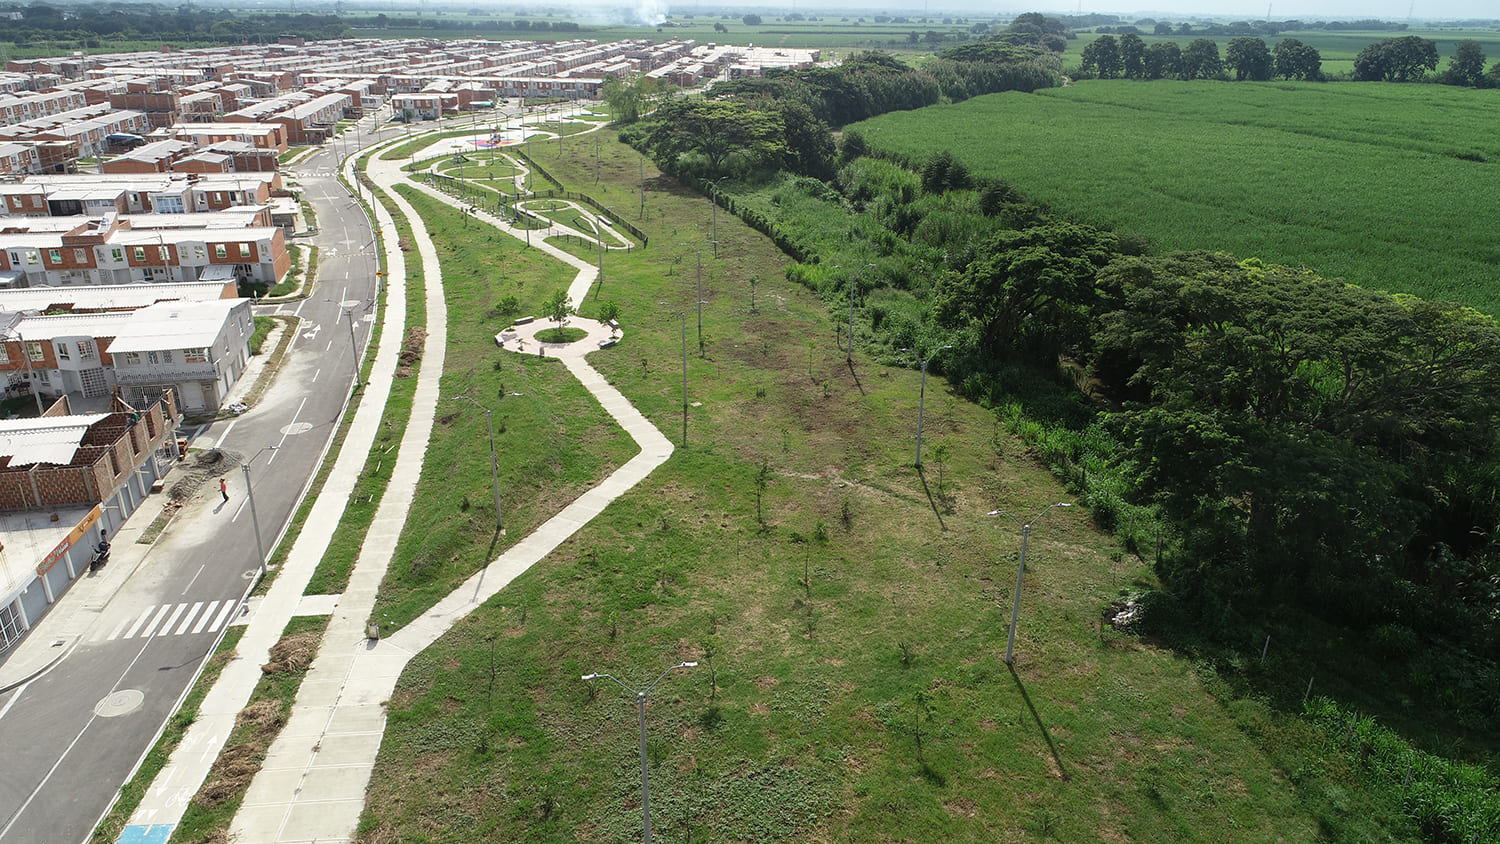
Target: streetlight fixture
(922,400)
(1015,609)
(713,195)
(700,298)
(494,471)
(684,379)
(353,347)
(260,549)
(641,696)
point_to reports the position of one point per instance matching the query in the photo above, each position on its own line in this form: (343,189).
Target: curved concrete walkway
(312,784)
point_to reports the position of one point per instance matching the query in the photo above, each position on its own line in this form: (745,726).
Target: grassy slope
(860,694)
(1355,180)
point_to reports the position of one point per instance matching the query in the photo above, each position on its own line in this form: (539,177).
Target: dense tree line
(1404,59)
(94,24)
(783,119)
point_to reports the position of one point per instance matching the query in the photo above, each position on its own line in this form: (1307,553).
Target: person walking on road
(224,489)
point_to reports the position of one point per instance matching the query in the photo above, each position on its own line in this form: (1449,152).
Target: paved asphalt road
(72,736)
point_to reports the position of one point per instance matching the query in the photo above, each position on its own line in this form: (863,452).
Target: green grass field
(849,625)
(1389,186)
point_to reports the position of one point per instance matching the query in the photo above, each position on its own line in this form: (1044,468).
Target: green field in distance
(1390,186)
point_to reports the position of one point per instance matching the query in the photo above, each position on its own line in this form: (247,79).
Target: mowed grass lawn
(849,617)
(1389,186)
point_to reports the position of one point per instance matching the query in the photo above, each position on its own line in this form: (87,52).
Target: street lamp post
(1015,609)
(353,346)
(684,380)
(260,549)
(494,471)
(922,400)
(713,197)
(641,695)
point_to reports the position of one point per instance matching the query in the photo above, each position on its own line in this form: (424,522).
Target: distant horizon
(1392,11)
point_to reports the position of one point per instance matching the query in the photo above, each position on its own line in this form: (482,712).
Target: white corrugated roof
(173,325)
(46,440)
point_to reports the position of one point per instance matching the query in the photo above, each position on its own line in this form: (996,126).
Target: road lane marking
(225,435)
(289,427)
(195,578)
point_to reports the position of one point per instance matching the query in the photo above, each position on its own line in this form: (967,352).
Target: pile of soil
(292,653)
(411,351)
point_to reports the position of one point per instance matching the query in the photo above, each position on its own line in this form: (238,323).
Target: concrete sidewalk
(312,784)
(168,795)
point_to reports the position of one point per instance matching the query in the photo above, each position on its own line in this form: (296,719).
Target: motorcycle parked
(101,554)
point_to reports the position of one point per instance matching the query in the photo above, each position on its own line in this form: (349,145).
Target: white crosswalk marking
(174,620)
(186,621)
(207,614)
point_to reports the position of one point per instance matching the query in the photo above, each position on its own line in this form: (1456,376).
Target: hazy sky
(1391,10)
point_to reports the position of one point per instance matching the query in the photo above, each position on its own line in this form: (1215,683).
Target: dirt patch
(411,351)
(963,807)
(766,682)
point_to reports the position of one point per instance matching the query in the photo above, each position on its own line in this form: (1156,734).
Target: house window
(166,356)
(244,250)
(4,353)
(153,358)
(140,253)
(195,355)
(62,351)
(220,251)
(54,255)
(132,358)
(85,349)
(163,252)
(81,256)
(36,201)
(32,256)
(117,254)
(34,350)
(15,259)
(198,252)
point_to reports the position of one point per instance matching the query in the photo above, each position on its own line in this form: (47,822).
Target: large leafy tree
(1404,59)
(1162,60)
(1250,59)
(1132,56)
(1200,60)
(631,97)
(1310,436)
(1295,60)
(1102,57)
(718,130)
(1466,67)
(1029,296)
